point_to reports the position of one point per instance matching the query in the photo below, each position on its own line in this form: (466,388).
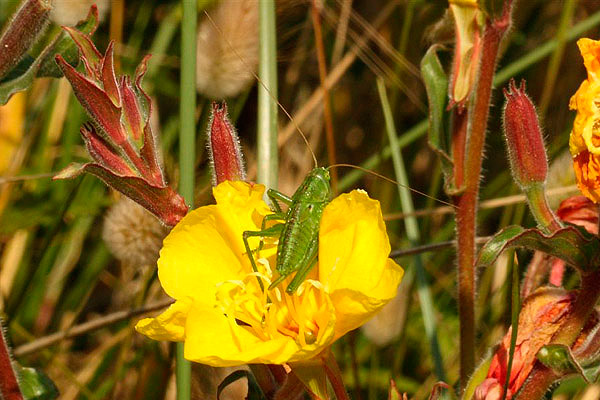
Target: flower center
(273,313)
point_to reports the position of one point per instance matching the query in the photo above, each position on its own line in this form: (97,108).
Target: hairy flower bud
(224,147)
(524,140)
(22,32)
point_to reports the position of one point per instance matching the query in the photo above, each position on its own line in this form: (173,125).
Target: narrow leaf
(436,85)
(163,202)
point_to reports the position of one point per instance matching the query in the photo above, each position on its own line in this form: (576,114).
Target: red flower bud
(224,147)
(526,150)
(22,32)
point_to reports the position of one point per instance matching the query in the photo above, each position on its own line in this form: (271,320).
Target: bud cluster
(120,138)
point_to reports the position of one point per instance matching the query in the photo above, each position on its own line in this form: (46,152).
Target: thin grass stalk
(413,234)
(554,64)
(327,112)
(187,147)
(267,162)
(514,310)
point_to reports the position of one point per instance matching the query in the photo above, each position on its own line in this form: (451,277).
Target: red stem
(467,200)
(9,384)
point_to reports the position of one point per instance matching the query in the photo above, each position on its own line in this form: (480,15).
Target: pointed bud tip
(224,147)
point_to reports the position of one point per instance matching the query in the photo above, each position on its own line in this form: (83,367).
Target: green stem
(413,234)
(267,96)
(538,204)
(187,146)
(466,214)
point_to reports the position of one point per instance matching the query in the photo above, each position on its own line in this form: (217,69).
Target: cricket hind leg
(307,263)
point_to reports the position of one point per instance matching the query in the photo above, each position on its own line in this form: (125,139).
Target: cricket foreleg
(273,231)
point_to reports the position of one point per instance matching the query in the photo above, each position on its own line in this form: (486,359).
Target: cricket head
(320,182)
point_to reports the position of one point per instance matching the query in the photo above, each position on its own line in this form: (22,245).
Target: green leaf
(572,244)
(436,85)
(36,385)
(22,76)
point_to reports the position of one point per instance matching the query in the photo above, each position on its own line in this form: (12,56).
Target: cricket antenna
(385,178)
(212,21)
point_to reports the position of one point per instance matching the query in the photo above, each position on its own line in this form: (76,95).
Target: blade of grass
(514,310)
(267,96)
(502,76)
(556,59)
(187,147)
(413,234)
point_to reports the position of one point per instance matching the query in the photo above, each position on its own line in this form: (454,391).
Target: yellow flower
(585,137)
(221,312)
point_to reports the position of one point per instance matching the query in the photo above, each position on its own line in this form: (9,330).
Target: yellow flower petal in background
(222,312)
(11,128)
(584,142)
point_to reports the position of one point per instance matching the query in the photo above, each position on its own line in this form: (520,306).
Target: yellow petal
(206,246)
(170,325)
(353,259)
(590,51)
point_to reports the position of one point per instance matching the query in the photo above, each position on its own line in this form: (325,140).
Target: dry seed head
(388,323)
(70,12)
(132,234)
(227,51)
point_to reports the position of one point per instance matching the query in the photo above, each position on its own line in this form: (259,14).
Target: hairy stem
(9,383)
(466,213)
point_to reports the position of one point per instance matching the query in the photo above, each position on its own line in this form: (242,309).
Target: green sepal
(477,378)
(436,86)
(35,385)
(573,244)
(563,361)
